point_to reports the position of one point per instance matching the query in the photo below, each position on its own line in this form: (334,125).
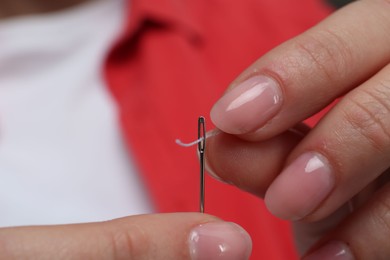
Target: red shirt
(172,63)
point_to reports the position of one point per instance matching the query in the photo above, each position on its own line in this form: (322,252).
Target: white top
(62,157)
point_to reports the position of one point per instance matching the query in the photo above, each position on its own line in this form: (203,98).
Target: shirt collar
(174,14)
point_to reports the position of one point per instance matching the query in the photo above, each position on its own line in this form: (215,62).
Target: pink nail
(334,250)
(248,106)
(219,240)
(299,189)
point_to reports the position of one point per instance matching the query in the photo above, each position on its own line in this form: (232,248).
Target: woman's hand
(160,236)
(321,176)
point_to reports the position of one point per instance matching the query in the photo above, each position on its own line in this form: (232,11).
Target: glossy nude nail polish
(219,240)
(333,250)
(301,187)
(248,106)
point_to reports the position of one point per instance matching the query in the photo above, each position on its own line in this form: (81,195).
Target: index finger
(303,75)
(159,236)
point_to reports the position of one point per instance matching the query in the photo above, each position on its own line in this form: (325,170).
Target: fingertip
(247,106)
(300,188)
(331,250)
(219,240)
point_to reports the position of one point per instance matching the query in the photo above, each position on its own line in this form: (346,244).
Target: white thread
(208,134)
(189,144)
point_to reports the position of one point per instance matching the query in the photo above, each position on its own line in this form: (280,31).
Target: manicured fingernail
(219,240)
(333,250)
(248,106)
(299,189)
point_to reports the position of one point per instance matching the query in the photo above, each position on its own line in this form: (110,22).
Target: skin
(136,237)
(155,236)
(347,54)
(338,57)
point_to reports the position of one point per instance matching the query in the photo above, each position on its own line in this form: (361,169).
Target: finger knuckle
(368,111)
(381,216)
(381,10)
(326,52)
(129,242)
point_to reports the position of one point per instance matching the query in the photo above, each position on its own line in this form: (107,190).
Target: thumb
(160,236)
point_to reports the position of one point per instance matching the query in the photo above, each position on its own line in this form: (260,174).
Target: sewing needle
(201,149)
